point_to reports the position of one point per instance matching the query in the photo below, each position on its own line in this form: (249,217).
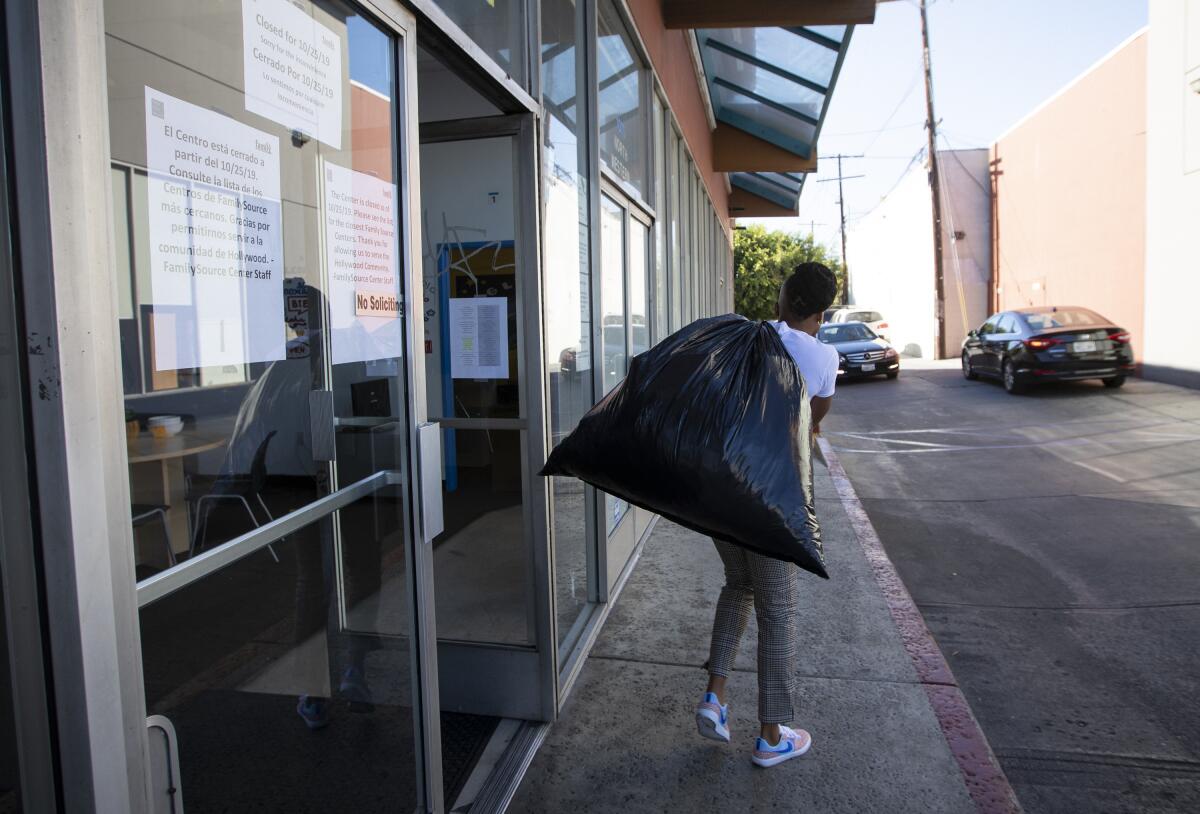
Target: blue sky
(993,62)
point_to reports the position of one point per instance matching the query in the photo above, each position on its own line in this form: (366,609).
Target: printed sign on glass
(361,256)
(216,253)
(479,338)
(293,69)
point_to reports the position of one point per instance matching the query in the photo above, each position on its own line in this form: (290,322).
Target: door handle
(165,783)
(321,420)
(429,455)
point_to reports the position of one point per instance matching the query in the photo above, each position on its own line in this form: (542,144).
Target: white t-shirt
(817,361)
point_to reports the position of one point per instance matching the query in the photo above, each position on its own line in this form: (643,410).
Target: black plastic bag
(710,429)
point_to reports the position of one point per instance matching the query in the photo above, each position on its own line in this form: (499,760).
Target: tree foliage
(762,260)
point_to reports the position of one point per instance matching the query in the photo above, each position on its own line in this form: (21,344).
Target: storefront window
(623,105)
(614,349)
(675,260)
(496,26)
(566,289)
(660,297)
(639,312)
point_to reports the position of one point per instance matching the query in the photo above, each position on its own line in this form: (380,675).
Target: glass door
(482,386)
(625,256)
(261,176)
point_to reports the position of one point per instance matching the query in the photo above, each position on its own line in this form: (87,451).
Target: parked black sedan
(861,351)
(1032,345)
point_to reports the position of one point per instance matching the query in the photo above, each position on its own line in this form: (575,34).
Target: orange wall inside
(1071,203)
(672,61)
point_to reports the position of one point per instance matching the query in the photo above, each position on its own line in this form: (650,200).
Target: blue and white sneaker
(314,711)
(712,719)
(792,743)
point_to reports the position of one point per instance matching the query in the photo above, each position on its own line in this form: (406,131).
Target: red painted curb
(985,780)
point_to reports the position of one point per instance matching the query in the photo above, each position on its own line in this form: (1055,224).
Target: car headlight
(891,353)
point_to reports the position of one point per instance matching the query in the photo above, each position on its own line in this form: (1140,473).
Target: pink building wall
(1070,209)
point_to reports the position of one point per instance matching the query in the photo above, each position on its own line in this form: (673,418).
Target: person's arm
(822,403)
(820,408)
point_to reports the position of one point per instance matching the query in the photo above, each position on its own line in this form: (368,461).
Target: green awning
(775,84)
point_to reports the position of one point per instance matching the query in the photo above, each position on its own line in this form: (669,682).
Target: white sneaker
(712,719)
(792,743)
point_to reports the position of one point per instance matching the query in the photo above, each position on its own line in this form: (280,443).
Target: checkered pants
(771,587)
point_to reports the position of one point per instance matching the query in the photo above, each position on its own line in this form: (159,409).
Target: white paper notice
(216,255)
(479,338)
(293,69)
(361,252)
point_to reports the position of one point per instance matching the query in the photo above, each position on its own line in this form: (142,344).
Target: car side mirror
(972,334)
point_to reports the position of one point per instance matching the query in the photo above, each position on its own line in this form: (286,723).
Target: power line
(954,154)
(913,159)
(911,85)
(883,129)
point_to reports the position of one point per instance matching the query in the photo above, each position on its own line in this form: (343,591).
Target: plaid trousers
(771,586)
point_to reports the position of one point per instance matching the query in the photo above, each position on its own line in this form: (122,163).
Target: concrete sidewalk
(626,741)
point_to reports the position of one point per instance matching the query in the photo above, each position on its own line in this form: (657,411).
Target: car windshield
(1065,318)
(845,332)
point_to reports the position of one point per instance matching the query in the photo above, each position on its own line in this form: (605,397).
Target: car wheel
(1114,382)
(968,371)
(893,374)
(1011,383)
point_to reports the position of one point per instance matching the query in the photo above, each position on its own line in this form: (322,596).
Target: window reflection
(639,313)
(615,353)
(613,312)
(496,26)
(567,291)
(623,121)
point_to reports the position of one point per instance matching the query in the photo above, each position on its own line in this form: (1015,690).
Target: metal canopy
(775,84)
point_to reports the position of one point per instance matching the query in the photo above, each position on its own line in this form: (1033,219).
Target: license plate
(1084,347)
(868,367)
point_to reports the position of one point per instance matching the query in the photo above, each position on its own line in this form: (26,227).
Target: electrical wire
(903,173)
(911,86)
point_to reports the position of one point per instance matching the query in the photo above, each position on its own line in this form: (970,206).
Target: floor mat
(251,752)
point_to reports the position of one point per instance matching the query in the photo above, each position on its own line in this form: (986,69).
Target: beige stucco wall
(1173,191)
(1070,205)
(891,255)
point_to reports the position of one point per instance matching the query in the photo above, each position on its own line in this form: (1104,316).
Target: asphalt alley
(1052,543)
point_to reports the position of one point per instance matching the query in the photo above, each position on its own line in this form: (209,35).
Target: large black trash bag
(711,429)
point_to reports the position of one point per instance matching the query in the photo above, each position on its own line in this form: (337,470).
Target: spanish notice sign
(361,258)
(216,254)
(293,69)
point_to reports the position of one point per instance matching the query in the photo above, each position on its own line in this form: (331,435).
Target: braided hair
(810,289)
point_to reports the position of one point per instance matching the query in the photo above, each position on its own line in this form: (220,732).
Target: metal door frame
(20,545)
(527,687)
(58,74)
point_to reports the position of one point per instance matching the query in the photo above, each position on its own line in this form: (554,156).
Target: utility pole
(936,190)
(994,173)
(842,211)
